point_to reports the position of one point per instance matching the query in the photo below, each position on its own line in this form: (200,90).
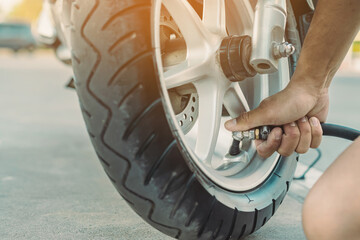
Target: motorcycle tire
(117,84)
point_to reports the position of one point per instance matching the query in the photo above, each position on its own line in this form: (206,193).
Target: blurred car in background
(16,36)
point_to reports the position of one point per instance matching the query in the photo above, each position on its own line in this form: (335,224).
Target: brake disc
(185,101)
(187,118)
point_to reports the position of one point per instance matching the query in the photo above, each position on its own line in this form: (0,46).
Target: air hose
(334,130)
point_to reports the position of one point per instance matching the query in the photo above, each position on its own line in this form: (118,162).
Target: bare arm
(333,28)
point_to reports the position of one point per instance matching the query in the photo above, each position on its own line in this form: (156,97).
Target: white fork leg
(261,88)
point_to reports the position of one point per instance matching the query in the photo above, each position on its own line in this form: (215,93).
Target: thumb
(258,117)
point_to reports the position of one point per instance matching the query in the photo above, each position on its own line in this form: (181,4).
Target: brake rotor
(185,100)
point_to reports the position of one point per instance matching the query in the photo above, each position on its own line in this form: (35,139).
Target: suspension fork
(268,33)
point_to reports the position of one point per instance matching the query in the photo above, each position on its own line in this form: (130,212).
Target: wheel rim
(207,141)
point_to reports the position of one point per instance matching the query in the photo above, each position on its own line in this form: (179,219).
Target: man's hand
(298,110)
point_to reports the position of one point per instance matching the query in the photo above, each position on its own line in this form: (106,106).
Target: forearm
(333,28)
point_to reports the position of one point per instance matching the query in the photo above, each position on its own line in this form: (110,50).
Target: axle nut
(235,53)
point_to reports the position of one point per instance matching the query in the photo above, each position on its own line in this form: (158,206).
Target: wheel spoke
(247,22)
(243,16)
(277,83)
(199,41)
(211,95)
(182,74)
(235,101)
(214,16)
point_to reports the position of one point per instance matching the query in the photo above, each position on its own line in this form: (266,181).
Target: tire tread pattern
(118,98)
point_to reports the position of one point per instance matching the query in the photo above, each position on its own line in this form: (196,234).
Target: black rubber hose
(329,129)
(334,130)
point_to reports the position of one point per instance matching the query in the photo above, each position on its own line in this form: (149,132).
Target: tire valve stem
(235,148)
(260,133)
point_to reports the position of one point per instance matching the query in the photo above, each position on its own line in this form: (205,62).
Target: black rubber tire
(116,81)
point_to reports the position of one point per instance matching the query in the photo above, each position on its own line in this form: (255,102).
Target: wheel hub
(188,116)
(235,53)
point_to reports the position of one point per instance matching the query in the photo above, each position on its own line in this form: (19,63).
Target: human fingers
(279,109)
(290,139)
(274,111)
(248,120)
(266,148)
(316,132)
(305,135)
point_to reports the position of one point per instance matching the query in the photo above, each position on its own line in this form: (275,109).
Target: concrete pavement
(51,184)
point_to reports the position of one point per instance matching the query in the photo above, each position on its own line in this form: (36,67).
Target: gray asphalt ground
(51,184)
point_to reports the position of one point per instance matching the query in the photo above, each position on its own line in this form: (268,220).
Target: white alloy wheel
(200,77)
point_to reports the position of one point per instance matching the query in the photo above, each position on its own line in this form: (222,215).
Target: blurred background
(16,20)
(20,10)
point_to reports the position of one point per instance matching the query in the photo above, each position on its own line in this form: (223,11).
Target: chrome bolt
(283,50)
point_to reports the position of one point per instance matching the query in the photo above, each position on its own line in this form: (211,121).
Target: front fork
(268,35)
(270,23)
